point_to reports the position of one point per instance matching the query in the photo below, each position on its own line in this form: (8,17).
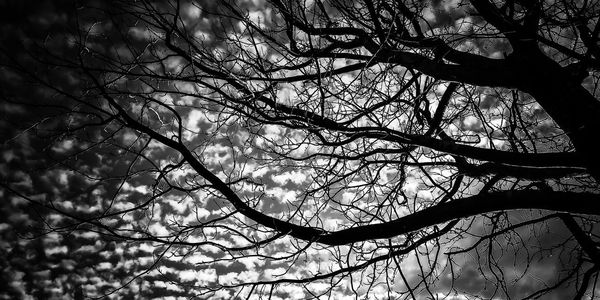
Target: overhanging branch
(578,203)
(571,202)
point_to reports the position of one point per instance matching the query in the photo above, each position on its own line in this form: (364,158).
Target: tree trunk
(563,97)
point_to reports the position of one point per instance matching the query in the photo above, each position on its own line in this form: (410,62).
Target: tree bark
(570,105)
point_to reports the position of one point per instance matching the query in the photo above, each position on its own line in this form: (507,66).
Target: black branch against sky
(300,149)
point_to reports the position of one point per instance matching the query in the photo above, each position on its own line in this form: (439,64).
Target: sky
(92,208)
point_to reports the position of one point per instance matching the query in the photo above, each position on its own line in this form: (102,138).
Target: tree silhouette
(300,149)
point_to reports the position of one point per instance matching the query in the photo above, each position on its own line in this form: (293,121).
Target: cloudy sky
(92,206)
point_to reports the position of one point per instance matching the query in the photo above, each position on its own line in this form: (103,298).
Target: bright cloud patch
(296,177)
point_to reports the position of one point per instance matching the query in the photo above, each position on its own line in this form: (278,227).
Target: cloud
(282,195)
(296,177)
(103,266)
(207,276)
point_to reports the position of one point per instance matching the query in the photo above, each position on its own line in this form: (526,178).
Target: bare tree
(308,149)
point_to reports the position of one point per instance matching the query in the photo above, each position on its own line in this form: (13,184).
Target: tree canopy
(300,149)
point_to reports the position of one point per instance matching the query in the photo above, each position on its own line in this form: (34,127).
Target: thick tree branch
(584,240)
(578,203)
(581,203)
